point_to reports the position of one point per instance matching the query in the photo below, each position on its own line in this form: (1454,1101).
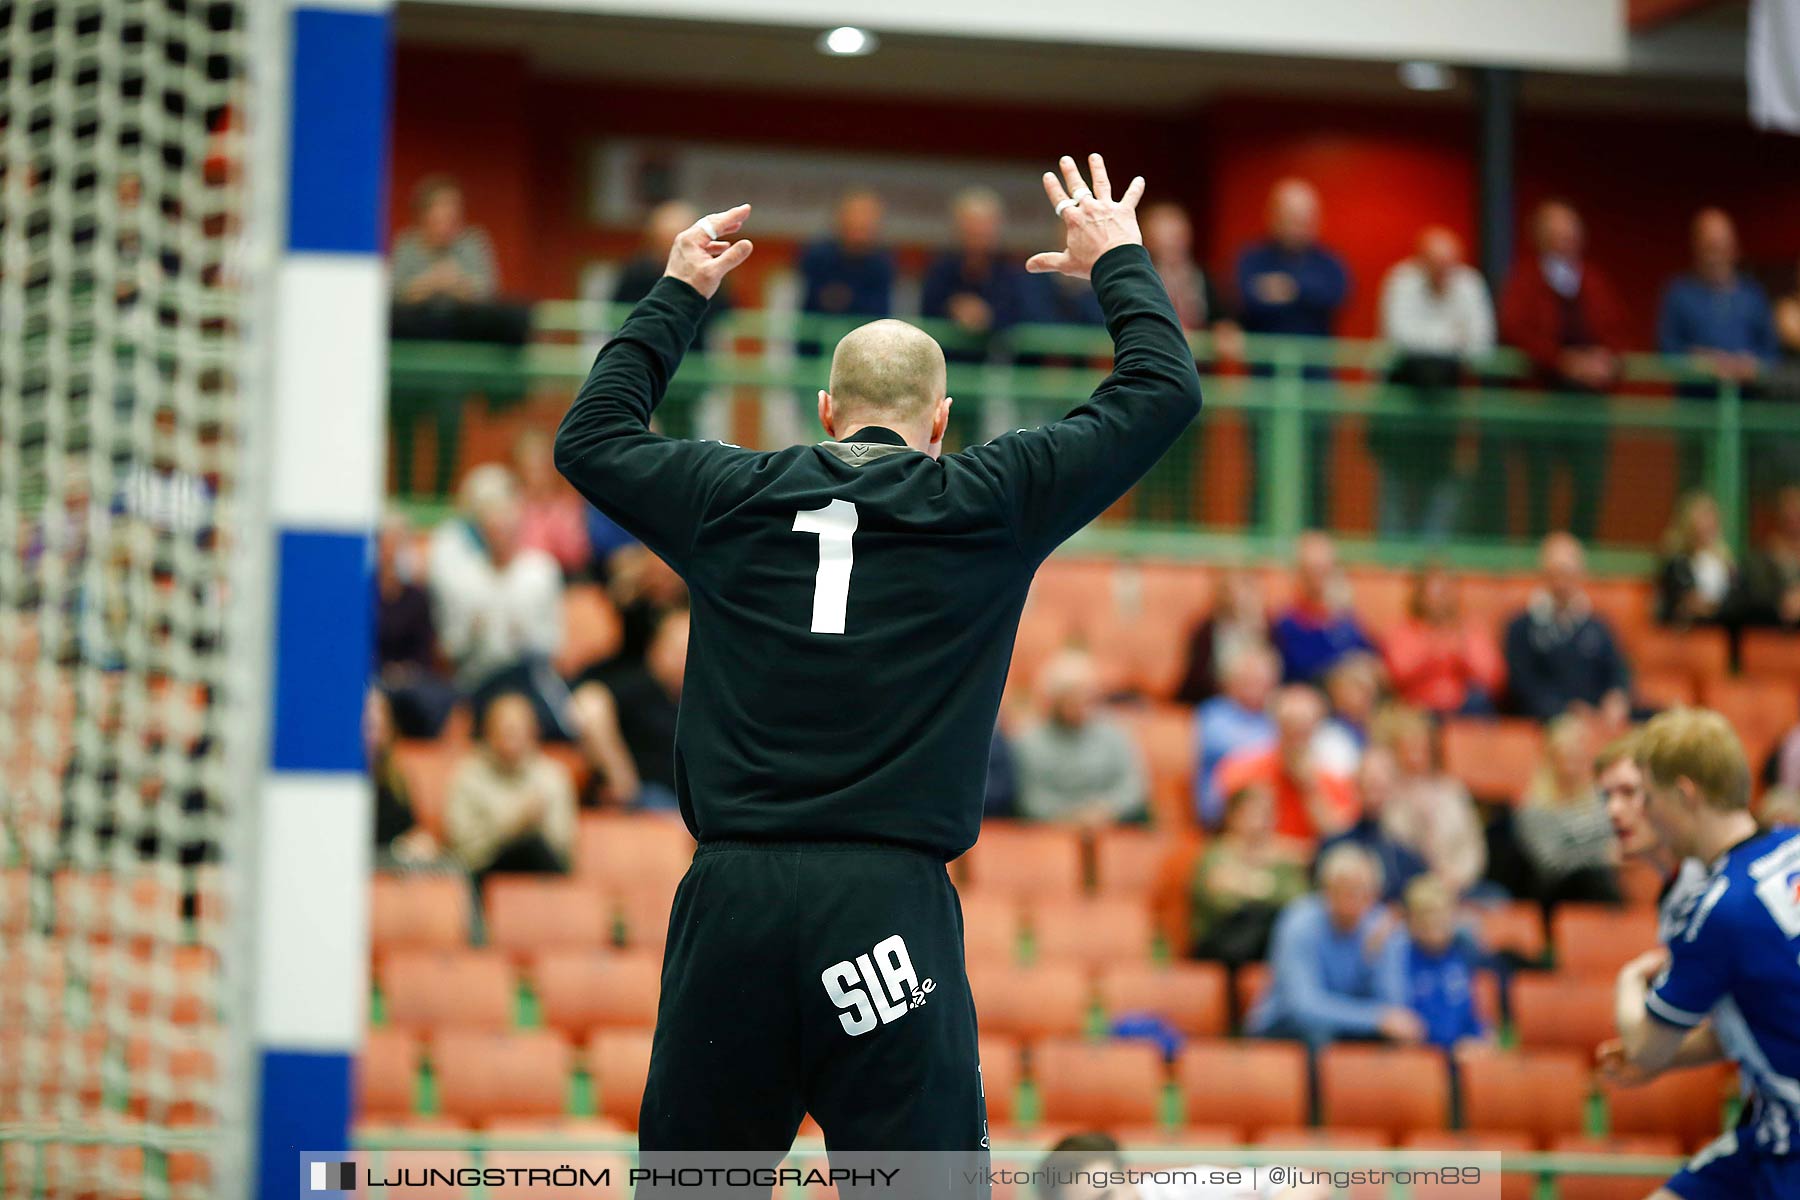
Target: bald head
(886,371)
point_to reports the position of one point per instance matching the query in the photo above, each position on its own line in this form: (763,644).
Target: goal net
(122,306)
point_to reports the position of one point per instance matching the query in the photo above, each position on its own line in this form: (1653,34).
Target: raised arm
(654,487)
(1056,479)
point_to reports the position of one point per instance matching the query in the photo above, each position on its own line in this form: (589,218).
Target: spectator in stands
(1435,309)
(1235,721)
(1290,284)
(1564,315)
(1561,655)
(1310,802)
(640,273)
(1319,627)
(635,707)
(1430,809)
(1561,824)
(1238,618)
(850,274)
(975,285)
(1198,301)
(1054,299)
(511,808)
(1439,959)
(398,835)
(498,603)
(1352,690)
(442,257)
(1772,580)
(1377,779)
(1717,316)
(1698,581)
(552,517)
(1077,765)
(406,649)
(1438,662)
(1243,879)
(1325,982)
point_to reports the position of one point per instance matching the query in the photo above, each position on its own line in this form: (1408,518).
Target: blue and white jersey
(1739,953)
(1679,896)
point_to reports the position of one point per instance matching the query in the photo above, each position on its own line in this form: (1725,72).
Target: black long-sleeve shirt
(855,603)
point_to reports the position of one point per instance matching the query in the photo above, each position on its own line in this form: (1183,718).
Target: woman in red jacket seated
(1436,660)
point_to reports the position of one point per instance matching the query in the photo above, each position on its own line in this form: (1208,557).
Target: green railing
(1301,432)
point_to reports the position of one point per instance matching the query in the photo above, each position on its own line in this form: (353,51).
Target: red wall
(519,144)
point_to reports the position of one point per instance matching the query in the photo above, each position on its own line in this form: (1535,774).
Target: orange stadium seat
(425,991)
(1641,884)
(1760,709)
(1002,1067)
(1686,1105)
(1595,940)
(1046,1000)
(1249,1085)
(1398,1089)
(418,912)
(1026,860)
(591,628)
(628,850)
(645,913)
(580,991)
(1701,654)
(386,1071)
(619,1061)
(1666,689)
(428,766)
(1127,859)
(1382,598)
(1190,996)
(1251,984)
(1514,1185)
(529,914)
(481,1076)
(991,926)
(1516,928)
(1165,737)
(1098,1083)
(1770,654)
(1180,1137)
(1558,1012)
(1494,759)
(1094,931)
(1542,1096)
(1613,1187)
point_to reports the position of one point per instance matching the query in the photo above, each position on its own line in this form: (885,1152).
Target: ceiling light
(847,41)
(1427,76)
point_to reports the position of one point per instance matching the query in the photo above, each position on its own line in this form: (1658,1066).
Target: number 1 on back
(836,526)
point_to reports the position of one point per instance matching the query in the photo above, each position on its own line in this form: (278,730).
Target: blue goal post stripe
(338,130)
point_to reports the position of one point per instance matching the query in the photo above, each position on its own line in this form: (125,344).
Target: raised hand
(1092,220)
(704,254)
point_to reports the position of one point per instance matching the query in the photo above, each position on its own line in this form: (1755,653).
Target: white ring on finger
(706,227)
(1082,193)
(1062,205)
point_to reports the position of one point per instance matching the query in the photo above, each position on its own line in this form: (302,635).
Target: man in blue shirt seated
(850,275)
(1728,982)
(1290,284)
(1330,978)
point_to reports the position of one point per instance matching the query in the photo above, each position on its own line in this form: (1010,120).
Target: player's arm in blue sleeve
(653,487)
(1055,479)
(1658,1005)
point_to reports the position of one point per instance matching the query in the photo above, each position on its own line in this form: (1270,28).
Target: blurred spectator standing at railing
(511,808)
(552,517)
(850,274)
(1430,810)
(1237,618)
(1311,802)
(1199,302)
(979,288)
(1561,824)
(1242,880)
(1329,975)
(1565,316)
(1436,660)
(675,415)
(407,666)
(1697,582)
(1076,764)
(1320,626)
(1377,777)
(445,289)
(1290,284)
(1561,655)
(1235,720)
(1772,580)
(498,602)
(1435,309)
